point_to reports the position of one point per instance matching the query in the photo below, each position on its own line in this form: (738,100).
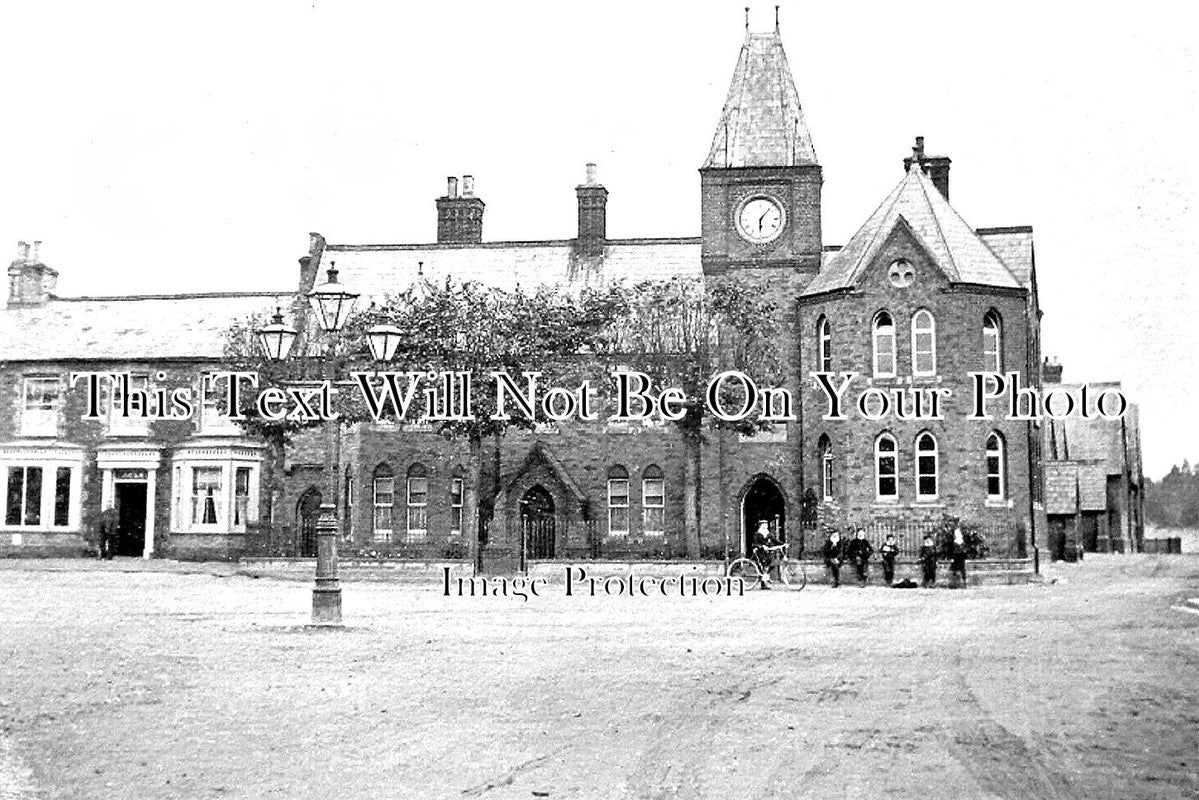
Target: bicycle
(756,567)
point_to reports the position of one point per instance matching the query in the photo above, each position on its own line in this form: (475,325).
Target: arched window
(384,501)
(924,344)
(457,485)
(886,485)
(996,468)
(992,342)
(653,501)
(884,345)
(824,338)
(926,467)
(824,449)
(618,501)
(418,503)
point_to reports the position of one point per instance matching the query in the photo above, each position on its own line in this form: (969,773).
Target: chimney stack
(937,167)
(30,282)
(593,215)
(1051,371)
(460,219)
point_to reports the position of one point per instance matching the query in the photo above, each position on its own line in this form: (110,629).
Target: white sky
(167,147)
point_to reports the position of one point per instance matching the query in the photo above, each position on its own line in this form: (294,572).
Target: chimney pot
(23,251)
(468,185)
(451,187)
(591,173)
(37,249)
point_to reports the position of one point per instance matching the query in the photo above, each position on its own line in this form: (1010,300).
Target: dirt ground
(198,683)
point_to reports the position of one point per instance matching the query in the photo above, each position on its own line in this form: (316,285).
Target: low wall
(36,544)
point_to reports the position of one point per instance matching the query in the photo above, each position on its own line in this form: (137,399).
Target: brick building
(915,300)
(1094,485)
(185,487)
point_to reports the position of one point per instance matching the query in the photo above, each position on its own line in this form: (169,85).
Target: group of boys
(858,551)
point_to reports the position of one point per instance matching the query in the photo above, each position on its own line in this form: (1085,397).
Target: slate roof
(762,123)
(1014,247)
(128,328)
(379,270)
(1094,440)
(955,247)
(1061,488)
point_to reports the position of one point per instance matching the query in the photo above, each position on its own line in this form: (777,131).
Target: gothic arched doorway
(307,510)
(763,500)
(537,522)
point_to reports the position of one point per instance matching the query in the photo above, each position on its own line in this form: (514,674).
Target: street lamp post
(331,304)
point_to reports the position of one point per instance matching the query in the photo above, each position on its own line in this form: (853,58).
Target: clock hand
(761,220)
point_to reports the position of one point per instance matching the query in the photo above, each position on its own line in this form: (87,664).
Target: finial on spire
(747,19)
(776,19)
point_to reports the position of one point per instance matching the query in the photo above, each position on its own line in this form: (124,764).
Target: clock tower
(761,182)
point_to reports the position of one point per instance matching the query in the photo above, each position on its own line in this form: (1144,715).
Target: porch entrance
(763,500)
(537,523)
(307,510)
(131,517)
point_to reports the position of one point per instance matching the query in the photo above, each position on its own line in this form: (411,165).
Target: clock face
(760,219)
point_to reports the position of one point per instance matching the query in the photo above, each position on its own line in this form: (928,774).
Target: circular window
(901,274)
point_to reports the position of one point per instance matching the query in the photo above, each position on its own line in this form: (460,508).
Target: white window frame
(878,336)
(48,500)
(893,474)
(415,510)
(935,455)
(824,338)
(616,508)
(653,514)
(993,342)
(183,494)
(457,499)
(195,516)
(38,419)
(919,329)
(383,486)
(999,455)
(119,425)
(212,421)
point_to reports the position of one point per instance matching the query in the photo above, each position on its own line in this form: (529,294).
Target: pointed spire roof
(952,244)
(762,124)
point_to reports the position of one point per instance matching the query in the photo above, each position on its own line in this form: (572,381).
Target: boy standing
(928,561)
(832,557)
(888,550)
(860,551)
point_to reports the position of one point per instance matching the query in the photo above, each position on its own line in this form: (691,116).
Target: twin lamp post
(331,304)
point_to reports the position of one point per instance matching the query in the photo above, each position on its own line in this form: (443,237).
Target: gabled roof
(379,270)
(762,124)
(145,328)
(539,452)
(1013,245)
(953,245)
